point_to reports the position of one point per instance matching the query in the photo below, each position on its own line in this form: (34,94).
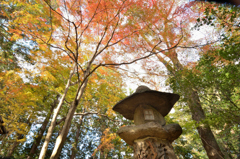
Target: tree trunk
(42,130)
(74,148)
(62,137)
(153,148)
(54,118)
(39,137)
(209,142)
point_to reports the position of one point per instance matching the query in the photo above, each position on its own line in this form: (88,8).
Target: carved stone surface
(168,132)
(153,148)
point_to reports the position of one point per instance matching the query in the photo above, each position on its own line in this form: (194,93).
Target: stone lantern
(150,136)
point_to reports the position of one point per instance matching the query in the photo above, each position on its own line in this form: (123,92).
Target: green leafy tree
(215,77)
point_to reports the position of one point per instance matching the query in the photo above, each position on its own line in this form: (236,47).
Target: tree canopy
(66,63)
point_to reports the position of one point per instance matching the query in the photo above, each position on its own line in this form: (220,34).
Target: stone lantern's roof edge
(161,101)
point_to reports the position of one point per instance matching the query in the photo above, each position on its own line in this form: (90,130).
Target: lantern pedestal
(151,140)
(153,148)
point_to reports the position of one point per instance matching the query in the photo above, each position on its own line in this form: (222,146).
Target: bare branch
(96,113)
(151,53)
(69,26)
(88,113)
(197,46)
(74,83)
(94,14)
(56,11)
(74,58)
(61,120)
(98,45)
(112,34)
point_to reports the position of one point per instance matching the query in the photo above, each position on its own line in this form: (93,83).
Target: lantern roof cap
(161,101)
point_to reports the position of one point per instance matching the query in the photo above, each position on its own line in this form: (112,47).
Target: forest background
(65,63)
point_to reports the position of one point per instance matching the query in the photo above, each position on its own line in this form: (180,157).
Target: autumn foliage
(70,56)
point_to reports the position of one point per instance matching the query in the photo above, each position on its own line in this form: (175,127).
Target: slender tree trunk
(39,137)
(62,137)
(74,148)
(54,118)
(209,142)
(42,130)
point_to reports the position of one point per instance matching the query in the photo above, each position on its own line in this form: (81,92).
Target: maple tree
(48,78)
(86,32)
(77,47)
(50,25)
